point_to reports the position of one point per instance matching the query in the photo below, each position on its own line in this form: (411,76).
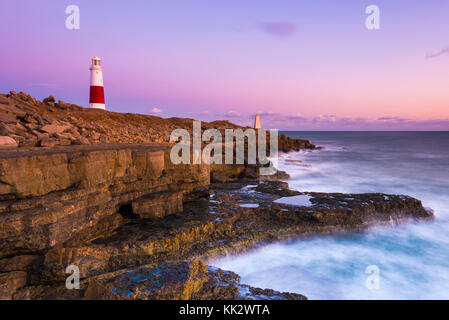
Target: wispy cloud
(294,121)
(278,29)
(156,111)
(232,114)
(437,54)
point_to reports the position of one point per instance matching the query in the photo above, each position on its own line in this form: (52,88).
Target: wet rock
(278,188)
(225,285)
(177,280)
(221,285)
(221,225)
(250,293)
(278,175)
(167,281)
(218,177)
(287,144)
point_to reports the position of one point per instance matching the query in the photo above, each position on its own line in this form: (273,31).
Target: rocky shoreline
(100,193)
(28,122)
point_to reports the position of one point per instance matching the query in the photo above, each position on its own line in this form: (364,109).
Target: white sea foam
(413,259)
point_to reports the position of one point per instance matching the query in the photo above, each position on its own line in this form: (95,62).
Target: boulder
(7,142)
(8,118)
(19,139)
(55,128)
(47,142)
(28,118)
(95,135)
(40,135)
(49,100)
(80,140)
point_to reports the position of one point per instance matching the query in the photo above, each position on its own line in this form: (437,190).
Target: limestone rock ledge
(177,281)
(126,217)
(233,218)
(49,197)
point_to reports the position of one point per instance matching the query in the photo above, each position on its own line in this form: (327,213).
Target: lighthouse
(96,98)
(257,124)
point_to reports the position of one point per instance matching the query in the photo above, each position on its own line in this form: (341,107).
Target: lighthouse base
(97,106)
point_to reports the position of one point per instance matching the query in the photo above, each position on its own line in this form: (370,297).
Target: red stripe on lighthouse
(96,94)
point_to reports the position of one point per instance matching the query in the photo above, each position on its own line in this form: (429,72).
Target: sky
(301,64)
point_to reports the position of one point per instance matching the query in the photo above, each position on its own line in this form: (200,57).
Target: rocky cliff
(71,195)
(30,123)
(51,196)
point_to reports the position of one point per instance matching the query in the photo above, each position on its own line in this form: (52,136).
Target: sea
(408,261)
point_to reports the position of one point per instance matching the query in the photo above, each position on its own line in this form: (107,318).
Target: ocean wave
(413,259)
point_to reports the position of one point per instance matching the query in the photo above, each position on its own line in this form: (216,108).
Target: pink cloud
(279,29)
(156,111)
(232,114)
(437,54)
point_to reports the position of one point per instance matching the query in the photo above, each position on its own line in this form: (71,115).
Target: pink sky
(303,65)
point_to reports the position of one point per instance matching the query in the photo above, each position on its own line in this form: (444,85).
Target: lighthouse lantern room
(96,98)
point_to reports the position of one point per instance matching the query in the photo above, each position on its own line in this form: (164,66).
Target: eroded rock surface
(32,123)
(233,218)
(50,197)
(134,223)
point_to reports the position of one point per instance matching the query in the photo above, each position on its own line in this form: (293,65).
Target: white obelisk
(257,124)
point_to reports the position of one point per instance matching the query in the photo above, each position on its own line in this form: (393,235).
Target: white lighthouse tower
(96,97)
